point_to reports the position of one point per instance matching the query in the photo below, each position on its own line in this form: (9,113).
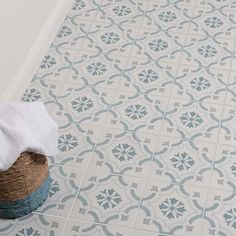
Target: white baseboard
(33,59)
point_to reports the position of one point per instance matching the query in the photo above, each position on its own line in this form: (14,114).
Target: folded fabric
(25,127)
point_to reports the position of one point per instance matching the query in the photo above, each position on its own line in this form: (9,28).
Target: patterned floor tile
(95,68)
(76,144)
(171,209)
(33,224)
(183,162)
(208,22)
(44,91)
(224,169)
(227,129)
(132,111)
(219,216)
(83,102)
(79,228)
(65,184)
(147,77)
(123,153)
(196,119)
(108,199)
(202,85)
(56,64)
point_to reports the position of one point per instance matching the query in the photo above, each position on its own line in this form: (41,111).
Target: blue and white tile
(76,144)
(190,119)
(224,169)
(214,23)
(133,111)
(124,153)
(33,224)
(227,133)
(171,209)
(83,10)
(147,76)
(108,199)
(170,18)
(56,64)
(183,161)
(192,83)
(219,216)
(64,187)
(82,228)
(43,91)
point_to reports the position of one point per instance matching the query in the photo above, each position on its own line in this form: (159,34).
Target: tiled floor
(144,93)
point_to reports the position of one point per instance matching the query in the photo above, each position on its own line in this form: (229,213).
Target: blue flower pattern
(147,76)
(31,95)
(172,208)
(200,83)
(158,45)
(167,16)
(96,68)
(67,142)
(48,62)
(124,152)
(121,10)
(207,51)
(182,161)
(136,111)
(230,217)
(108,198)
(110,38)
(191,119)
(82,104)
(28,232)
(64,31)
(213,22)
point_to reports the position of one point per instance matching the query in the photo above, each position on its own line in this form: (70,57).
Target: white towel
(25,127)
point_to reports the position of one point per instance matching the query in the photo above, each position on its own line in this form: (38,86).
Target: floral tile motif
(108,199)
(92,68)
(32,225)
(45,91)
(219,217)
(183,161)
(123,153)
(201,85)
(145,75)
(198,120)
(171,209)
(136,112)
(210,22)
(83,103)
(144,96)
(56,64)
(64,187)
(80,228)
(76,144)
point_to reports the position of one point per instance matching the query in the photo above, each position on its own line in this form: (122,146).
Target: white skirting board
(21,80)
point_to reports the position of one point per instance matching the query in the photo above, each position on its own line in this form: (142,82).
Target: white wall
(21,23)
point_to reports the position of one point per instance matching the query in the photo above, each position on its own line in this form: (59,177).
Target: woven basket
(24,186)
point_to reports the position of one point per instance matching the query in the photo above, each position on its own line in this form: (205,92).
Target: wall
(27,28)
